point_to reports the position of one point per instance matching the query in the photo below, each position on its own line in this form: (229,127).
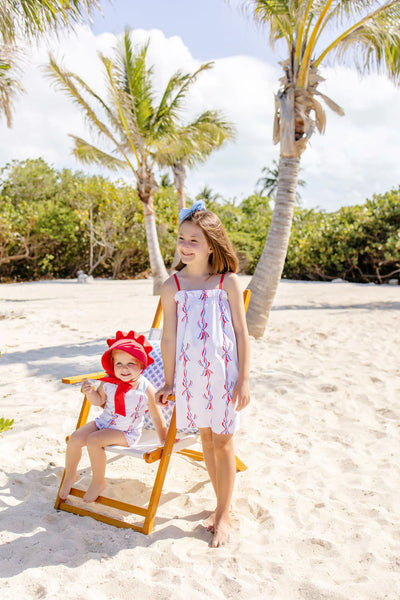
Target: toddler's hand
(163,394)
(87,387)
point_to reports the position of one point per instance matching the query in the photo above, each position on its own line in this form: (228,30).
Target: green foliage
(5,424)
(247,225)
(46,230)
(67,221)
(357,243)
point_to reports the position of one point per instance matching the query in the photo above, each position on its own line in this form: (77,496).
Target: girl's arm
(95,397)
(156,414)
(168,340)
(241,392)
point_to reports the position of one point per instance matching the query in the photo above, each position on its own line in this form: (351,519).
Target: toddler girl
(125,394)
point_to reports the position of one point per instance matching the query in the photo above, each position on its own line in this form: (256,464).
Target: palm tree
(192,146)
(9,83)
(269,181)
(31,19)
(136,131)
(367,33)
(208,194)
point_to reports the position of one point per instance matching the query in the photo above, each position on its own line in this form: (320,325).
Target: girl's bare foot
(209,522)
(67,485)
(222,531)
(94,491)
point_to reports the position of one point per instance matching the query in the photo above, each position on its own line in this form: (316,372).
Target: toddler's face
(126,367)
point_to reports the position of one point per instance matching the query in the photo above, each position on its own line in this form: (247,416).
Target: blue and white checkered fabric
(155,374)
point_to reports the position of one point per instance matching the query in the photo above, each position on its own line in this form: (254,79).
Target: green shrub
(53,223)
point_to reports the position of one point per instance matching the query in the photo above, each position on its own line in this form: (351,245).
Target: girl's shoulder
(169,286)
(230,281)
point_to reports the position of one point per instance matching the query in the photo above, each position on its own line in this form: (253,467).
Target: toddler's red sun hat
(132,343)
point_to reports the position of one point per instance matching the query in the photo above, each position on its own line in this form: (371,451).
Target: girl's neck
(203,280)
(196,274)
(197,271)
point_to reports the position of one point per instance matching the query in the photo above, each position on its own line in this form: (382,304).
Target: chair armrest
(78,378)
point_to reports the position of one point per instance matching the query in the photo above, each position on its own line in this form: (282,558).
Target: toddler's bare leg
(73,455)
(95,445)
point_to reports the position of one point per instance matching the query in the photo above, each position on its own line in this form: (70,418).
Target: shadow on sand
(43,536)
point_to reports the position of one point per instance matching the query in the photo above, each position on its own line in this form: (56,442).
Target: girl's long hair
(223,256)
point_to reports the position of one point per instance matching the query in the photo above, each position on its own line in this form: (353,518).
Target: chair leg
(58,499)
(160,477)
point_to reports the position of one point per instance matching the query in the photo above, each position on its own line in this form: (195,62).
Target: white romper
(136,404)
(206,367)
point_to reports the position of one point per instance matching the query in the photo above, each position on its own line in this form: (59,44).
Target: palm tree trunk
(145,189)
(179,181)
(158,270)
(267,275)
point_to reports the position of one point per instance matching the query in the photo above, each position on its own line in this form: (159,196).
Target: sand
(316,514)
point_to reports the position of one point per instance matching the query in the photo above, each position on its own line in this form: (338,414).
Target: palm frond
(195,141)
(35,17)
(375,45)
(170,107)
(89,154)
(10,84)
(70,83)
(372,43)
(280,16)
(124,105)
(329,102)
(133,77)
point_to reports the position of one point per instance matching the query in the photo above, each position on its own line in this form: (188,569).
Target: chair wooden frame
(163,454)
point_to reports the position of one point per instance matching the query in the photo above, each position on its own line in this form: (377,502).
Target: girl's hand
(163,394)
(241,394)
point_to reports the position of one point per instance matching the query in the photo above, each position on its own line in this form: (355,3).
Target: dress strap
(221,281)
(177,282)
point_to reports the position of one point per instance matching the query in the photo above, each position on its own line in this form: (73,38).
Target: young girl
(206,349)
(125,395)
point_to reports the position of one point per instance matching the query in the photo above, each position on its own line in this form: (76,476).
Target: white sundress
(206,367)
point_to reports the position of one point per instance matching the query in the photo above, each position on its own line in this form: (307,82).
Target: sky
(358,156)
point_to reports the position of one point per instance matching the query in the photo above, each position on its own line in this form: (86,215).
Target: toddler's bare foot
(94,491)
(209,522)
(67,485)
(222,531)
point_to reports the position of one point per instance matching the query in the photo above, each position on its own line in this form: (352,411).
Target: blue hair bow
(185,212)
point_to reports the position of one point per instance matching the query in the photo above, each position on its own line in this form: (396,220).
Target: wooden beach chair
(147,449)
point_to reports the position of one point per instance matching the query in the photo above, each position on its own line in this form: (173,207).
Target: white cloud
(358,155)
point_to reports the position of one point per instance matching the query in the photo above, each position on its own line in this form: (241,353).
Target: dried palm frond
(329,102)
(276,133)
